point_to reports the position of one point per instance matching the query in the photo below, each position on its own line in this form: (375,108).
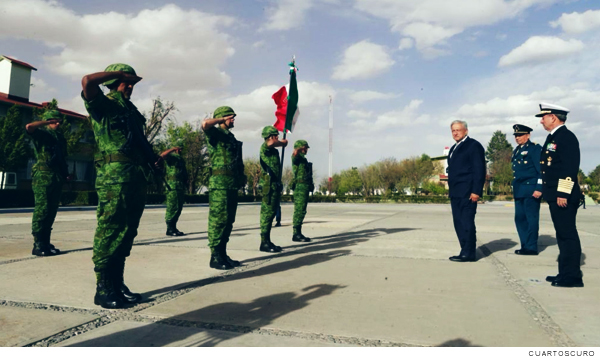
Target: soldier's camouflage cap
(52,114)
(223,111)
(269,131)
(118,67)
(300,143)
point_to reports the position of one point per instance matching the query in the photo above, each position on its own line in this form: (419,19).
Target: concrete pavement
(374,275)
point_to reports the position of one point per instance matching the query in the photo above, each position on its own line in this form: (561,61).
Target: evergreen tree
(499,153)
(14,147)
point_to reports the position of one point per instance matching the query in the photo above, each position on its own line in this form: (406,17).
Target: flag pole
(278,216)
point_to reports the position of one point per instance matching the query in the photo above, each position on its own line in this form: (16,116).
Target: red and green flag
(287,105)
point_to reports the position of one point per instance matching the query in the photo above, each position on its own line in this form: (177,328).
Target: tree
(194,152)
(594,178)
(415,170)
(350,181)
(252,170)
(161,114)
(286,178)
(388,170)
(370,179)
(499,153)
(14,147)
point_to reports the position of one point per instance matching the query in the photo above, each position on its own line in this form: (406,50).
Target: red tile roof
(5,99)
(18,62)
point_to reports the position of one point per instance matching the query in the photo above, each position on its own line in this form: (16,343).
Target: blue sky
(399,70)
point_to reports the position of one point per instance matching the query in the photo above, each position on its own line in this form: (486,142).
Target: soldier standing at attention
(176,176)
(271,185)
(227,176)
(49,174)
(527,189)
(559,163)
(121,181)
(302,184)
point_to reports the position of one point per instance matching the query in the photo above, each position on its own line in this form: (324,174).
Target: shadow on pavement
(545,241)
(458,343)
(495,246)
(214,324)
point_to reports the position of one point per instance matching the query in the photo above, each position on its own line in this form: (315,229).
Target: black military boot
(172,230)
(106,296)
(231,262)
(298,237)
(127,296)
(218,261)
(266,245)
(42,246)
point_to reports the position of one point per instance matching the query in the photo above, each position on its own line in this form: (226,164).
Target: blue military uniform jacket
(526,168)
(560,161)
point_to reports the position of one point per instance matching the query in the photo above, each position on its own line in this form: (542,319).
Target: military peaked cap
(546,109)
(521,129)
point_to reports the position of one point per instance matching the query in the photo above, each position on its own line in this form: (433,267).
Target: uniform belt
(223,172)
(44,168)
(111,158)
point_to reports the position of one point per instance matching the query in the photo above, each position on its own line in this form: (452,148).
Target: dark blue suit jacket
(526,169)
(466,169)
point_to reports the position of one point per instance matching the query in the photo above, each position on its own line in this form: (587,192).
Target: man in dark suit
(527,189)
(559,163)
(466,177)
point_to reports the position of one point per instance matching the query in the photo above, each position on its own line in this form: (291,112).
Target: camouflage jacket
(302,170)
(270,165)
(117,161)
(50,149)
(225,153)
(175,172)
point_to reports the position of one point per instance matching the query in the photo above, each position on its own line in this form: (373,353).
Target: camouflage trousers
(47,188)
(221,216)
(175,200)
(268,209)
(120,208)
(301,192)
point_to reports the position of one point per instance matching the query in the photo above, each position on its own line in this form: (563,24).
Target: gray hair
(463,123)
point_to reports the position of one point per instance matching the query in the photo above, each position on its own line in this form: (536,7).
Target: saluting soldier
(559,164)
(271,185)
(303,185)
(121,179)
(48,176)
(227,176)
(527,189)
(176,176)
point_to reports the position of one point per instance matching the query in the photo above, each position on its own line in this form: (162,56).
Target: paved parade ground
(374,275)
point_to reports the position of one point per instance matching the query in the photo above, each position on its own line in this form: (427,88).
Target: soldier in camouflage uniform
(302,184)
(121,179)
(48,176)
(271,185)
(227,176)
(176,177)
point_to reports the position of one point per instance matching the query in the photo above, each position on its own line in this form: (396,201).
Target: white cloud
(432,22)
(369,95)
(359,114)
(541,49)
(363,60)
(169,45)
(409,115)
(406,43)
(577,23)
(287,14)
(38,85)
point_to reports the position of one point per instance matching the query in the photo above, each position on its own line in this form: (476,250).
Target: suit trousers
(527,221)
(463,214)
(567,238)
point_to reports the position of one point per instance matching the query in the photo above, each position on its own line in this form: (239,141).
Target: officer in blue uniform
(560,162)
(527,189)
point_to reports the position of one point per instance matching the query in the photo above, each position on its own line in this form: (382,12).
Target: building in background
(15,85)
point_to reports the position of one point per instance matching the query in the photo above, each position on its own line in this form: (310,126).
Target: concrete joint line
(535,310)
(41,257)
(346,340)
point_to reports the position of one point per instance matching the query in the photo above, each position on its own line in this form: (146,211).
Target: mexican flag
(287,106)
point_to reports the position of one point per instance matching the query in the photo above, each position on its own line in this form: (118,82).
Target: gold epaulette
(565,185)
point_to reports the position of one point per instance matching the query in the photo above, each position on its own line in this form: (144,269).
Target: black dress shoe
(551,278)
(462,258)
(568,283)
(45,251)
(525,252)
(217,262)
